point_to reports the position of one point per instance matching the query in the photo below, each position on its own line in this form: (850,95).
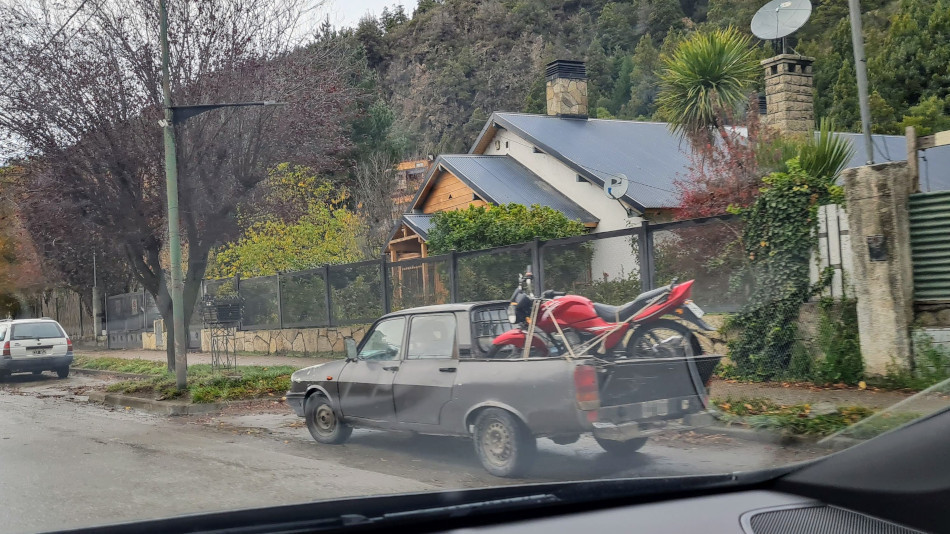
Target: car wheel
(322,422)
(621,447)
(4,374)
(62,372)
(503,444)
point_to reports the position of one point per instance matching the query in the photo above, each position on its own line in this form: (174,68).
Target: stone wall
(303,341)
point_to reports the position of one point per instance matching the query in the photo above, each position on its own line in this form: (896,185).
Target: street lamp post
(175,115)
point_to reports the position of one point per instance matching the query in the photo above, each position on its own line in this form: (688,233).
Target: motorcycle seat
(616,314)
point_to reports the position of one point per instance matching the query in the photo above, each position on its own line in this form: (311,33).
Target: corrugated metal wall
(930,245)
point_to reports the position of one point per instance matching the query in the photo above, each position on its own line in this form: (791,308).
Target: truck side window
(385,341)
(432,336)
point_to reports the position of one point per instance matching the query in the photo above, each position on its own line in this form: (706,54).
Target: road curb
(760,436)
(104,372)
(167,407)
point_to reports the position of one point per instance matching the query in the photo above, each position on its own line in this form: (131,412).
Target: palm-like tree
(707,76)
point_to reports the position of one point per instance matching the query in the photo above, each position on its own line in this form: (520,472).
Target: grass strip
(121,365)
(205,386)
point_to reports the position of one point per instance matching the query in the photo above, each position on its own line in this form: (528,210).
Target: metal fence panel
(356,291)
(930,249)
(261,307)
(419,282)
(304,300)
(491,274)
(602,269)
(711,254)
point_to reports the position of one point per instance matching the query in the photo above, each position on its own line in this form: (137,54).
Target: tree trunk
(164,302)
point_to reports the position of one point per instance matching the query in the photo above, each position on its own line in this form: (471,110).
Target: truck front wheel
(621,447)
(503,444)
(322,422)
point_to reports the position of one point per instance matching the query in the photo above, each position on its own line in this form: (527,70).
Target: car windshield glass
(385,341)
(42,330)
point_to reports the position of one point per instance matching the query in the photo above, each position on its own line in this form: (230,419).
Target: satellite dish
(616,186)
(779,18)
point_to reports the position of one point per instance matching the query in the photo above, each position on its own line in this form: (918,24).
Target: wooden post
(912,163)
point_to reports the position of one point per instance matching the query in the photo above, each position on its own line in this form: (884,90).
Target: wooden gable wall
(448,193)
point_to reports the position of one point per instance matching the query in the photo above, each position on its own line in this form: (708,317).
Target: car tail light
(6,349)
(586,388)
(69,345)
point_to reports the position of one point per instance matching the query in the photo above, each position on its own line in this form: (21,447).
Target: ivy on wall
(780,234)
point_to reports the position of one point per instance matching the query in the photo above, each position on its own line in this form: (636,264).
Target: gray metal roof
(934,164)
(652,158)
(420,223)
(645,152)
(503,180)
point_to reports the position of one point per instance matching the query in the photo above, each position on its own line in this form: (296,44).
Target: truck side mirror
(350,345)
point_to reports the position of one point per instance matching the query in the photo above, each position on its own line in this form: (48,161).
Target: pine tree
(644,82)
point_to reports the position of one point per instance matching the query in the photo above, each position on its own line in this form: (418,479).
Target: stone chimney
(790,106)
(566,89)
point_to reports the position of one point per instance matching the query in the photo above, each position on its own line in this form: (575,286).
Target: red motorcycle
(572,325)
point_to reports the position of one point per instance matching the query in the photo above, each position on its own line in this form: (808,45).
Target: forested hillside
(448,65)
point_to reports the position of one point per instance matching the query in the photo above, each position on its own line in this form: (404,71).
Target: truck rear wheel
(621,447)
(503,444)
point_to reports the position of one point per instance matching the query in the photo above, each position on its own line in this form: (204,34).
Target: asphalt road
(66,463)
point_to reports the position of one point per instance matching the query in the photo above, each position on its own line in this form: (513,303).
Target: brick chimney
(790,106)
(566,88)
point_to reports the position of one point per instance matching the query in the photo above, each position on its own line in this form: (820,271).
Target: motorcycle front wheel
(663,338)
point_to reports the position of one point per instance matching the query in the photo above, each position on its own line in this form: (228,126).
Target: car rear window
(489,323)
(36,331)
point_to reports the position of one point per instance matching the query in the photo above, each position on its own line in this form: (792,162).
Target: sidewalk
(200,357)
(788,394)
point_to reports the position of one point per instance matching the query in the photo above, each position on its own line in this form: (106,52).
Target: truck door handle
(391,368)
(446,369)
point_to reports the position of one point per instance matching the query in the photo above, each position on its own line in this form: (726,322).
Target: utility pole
(96,303)
(861,70)
(179,345)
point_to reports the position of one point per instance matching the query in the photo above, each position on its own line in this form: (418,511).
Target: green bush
(931,366)
(839,342)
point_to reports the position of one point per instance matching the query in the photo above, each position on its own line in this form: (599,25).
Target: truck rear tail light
(586,387)
(6,349)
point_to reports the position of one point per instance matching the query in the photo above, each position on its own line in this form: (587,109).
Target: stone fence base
(296,340)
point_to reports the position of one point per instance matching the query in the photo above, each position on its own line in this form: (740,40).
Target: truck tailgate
(640,380)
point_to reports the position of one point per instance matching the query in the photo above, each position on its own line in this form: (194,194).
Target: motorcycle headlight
(512,313)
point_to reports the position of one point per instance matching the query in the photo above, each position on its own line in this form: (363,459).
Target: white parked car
(34,345)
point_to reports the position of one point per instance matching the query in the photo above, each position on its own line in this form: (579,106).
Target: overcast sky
(349,12)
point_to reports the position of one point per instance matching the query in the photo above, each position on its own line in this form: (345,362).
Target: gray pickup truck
(425,370)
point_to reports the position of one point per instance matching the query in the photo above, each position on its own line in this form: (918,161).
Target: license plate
(697,311)
(38,352)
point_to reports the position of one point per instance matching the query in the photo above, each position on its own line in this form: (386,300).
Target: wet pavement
(69,463)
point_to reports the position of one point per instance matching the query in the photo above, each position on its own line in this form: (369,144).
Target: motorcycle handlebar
(550,294)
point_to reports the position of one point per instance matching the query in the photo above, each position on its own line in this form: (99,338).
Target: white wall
(612,256)
(834,249)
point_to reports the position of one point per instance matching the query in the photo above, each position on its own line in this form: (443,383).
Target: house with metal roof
(564,158)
